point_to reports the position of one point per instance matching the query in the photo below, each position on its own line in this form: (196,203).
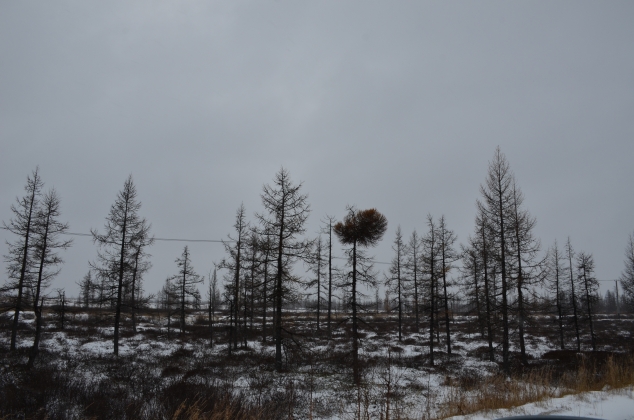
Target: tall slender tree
(627,277)
(472,281)
(330,222)
(19,261)
(430,267)
(316,267)
(286,210)
(47,242)
(527,266)
(497,207)
(185,283)
(585,275)
(570,253)
(448,255)
(139,265)
(124,230)
(412,266)
(233,263)
(488,274)
(359,229)
(395,282)
(212,298)
(555,272)
(267,248)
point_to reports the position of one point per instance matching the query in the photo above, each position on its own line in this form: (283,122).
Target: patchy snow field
(608,405)
(316,381)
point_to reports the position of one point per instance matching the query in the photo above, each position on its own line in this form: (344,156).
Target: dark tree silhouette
(570,253)
(47,230)
(555,272)
(585,276)
(316,267)
(330,221)
(233,263)
(19,261)
(412,266)
(627,277)
(446,240)
(360,228)
(430,267)
(168,299)
(139,265)
(185,283)
(124,231)
(527,267)
(287,210)
(88,287)
(213,298)
(395,282)
(497,207)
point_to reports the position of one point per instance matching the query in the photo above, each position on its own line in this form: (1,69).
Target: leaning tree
(19,259)
(47,242)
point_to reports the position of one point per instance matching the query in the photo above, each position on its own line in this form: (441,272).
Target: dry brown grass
(500,391)
(223,410)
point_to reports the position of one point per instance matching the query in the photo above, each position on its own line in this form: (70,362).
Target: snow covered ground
(608,405)
(318,368)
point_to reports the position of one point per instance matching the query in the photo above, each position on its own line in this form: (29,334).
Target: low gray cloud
(397,106)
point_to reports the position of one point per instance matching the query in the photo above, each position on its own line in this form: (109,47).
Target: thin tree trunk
(589,306)
(417,317)
(318,284)
(133,305)
(117,315)
(558,302)
(505,315)
(400,303)
(37,305)
(264,296)
(329,276)
(432,294)
(236,295)
(25,254)
(574,299)
(444,283)
(278,298)
(355,337)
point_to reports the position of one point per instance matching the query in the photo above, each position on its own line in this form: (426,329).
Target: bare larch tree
(497,207)
(233,263)
(19,261)
(125,229)
(286,212)
(185,283)
(585,276)
(627,277)
(395,281)
(46,243)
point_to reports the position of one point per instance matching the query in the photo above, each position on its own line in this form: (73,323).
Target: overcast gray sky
(393,105)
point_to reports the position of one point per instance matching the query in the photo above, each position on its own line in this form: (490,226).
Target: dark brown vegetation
(194,381)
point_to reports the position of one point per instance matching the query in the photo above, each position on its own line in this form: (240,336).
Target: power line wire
(156,239)
(208,241)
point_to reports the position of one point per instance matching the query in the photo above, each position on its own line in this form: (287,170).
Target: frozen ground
(317,368)
(608,405)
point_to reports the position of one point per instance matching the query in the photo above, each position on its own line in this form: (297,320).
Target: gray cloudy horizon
(392,105)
